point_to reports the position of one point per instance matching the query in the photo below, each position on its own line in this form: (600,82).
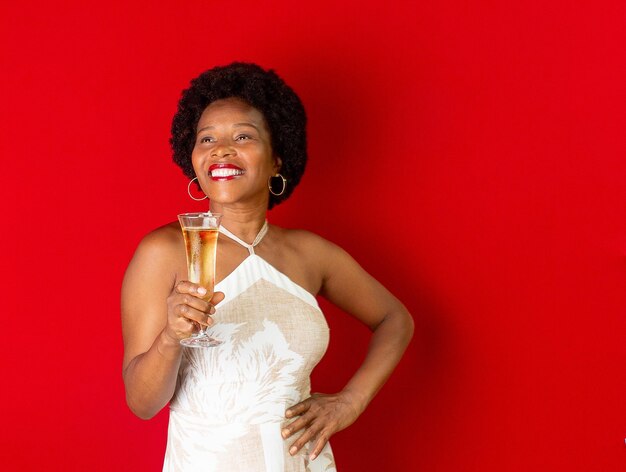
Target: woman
(246,404)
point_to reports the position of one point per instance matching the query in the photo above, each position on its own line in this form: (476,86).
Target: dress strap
(256,241)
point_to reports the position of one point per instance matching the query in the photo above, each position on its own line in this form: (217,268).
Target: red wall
(486,138)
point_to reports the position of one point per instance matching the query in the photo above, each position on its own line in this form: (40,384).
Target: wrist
(357,399)
(168,346)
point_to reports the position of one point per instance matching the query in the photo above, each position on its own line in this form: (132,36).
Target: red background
(469,154)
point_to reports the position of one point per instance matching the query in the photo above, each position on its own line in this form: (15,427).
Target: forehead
(231,110)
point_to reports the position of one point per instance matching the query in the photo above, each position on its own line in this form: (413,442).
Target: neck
(245,223)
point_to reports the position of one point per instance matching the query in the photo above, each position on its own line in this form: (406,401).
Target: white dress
(229,406)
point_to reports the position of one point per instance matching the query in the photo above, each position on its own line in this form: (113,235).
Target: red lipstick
(225,171)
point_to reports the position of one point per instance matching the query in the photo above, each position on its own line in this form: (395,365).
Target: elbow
(400,323)
(140,410)
(136,400)
(141,413)
(409,326)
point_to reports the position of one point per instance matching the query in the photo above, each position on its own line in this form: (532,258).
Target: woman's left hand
(320,416)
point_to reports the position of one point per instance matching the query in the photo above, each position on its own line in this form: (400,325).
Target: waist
(250,418)
(236,403)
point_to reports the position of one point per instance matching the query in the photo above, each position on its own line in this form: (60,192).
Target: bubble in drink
(201,245)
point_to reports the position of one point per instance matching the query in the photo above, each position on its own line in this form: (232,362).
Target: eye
(242,137)
(206,139)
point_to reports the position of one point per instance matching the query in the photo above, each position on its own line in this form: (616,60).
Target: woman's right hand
(188,310)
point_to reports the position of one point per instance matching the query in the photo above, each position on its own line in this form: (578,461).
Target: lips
(225,171)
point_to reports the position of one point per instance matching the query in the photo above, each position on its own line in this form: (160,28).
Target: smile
(224,171)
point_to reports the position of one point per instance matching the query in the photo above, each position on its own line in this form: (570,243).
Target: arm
(156,313)
(352,289)
(355,291)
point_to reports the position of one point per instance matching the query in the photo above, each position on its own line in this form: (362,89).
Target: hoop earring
(189,191)
(269,185)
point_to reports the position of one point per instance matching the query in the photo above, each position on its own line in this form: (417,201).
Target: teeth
(225,172)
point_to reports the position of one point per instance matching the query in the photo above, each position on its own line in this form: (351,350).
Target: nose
(223,150)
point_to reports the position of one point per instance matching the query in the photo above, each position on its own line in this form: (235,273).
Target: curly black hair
(262,89)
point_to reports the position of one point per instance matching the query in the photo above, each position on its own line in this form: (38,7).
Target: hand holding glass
(200,231)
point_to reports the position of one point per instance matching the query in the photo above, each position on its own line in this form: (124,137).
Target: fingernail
(285,433)
(312,457)
(293,450)
(288,413)
(202,290)
(212,310)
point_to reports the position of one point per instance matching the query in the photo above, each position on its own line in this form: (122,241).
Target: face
(232,156)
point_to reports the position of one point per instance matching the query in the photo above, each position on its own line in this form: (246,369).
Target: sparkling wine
(200,231)
(201,245)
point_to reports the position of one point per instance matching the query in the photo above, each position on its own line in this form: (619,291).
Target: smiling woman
(282,115)
(246,404)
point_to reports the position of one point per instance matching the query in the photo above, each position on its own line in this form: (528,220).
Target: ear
(278,163)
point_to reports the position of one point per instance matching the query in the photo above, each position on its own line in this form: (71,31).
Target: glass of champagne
(200,231)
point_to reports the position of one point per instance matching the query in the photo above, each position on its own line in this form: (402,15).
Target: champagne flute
(200,231)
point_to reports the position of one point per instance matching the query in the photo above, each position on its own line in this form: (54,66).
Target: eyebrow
(235,125)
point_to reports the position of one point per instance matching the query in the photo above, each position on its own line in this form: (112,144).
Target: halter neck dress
(229,406)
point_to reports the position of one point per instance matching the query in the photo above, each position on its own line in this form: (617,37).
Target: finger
(217,297)
(200,317)
(296,426)
(298,408)
(306,436)
(184,328)
(194,302)
(319,445)
(190,327)
(184,286)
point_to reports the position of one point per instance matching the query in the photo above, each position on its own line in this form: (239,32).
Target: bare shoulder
(162,238)
(159,251)
(314,251)
(305,242)
(336,276)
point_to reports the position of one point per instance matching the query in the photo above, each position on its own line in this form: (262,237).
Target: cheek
(196,160)
(270,169)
